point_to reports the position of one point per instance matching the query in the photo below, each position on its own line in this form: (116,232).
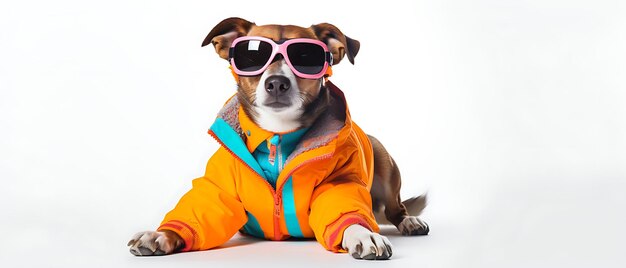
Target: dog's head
(278,99)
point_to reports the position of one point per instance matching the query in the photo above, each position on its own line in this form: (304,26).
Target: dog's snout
(277,85)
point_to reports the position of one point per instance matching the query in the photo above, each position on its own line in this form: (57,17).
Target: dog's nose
(277,85)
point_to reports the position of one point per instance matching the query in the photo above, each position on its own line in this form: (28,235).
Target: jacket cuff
(333,236)
(185,231)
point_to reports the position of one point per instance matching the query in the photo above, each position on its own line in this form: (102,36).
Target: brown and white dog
(304,105)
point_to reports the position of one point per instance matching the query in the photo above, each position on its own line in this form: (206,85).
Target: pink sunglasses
(307,58)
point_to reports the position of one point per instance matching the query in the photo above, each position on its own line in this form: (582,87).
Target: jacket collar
(240,135)
(254,135)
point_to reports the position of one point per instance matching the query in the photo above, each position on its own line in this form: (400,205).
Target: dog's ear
(338,43)
(225,32)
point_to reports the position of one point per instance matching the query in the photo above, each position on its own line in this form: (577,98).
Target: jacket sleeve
(211,212)
(341,200)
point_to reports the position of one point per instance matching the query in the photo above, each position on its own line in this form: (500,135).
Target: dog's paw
(151,243)
(361,243)
(412,225)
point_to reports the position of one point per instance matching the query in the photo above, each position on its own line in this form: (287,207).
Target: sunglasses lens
(252,55)
(306,58)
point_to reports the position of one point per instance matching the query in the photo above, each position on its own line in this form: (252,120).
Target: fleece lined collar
(232,126)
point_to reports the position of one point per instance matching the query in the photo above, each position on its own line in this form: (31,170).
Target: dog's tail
(414,207)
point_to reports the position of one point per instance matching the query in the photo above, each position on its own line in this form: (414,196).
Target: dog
(291,162)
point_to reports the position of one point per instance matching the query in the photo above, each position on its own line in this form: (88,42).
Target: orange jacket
(323,188)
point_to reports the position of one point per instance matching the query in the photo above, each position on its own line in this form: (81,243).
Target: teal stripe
(235,144)
(289,207)
(253,227)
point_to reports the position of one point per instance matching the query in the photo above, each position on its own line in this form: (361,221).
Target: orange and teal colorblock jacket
(322,188)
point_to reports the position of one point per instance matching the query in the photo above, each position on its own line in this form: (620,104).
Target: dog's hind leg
(386,195)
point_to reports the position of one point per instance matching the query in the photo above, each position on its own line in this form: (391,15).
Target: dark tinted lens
(251,55)
(306,58)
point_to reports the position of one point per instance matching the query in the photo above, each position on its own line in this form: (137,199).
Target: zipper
(280,160)
(308,161)
(277,194)
(277,201)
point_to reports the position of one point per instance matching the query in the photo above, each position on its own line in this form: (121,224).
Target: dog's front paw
(361,243)
(412,225)
(151,243)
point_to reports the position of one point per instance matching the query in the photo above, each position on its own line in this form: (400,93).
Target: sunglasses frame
(280,49)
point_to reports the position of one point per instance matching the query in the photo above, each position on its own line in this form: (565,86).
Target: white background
(511,114)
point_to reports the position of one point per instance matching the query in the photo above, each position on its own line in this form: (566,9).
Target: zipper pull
(272,156)
(273,143)
(277,206)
